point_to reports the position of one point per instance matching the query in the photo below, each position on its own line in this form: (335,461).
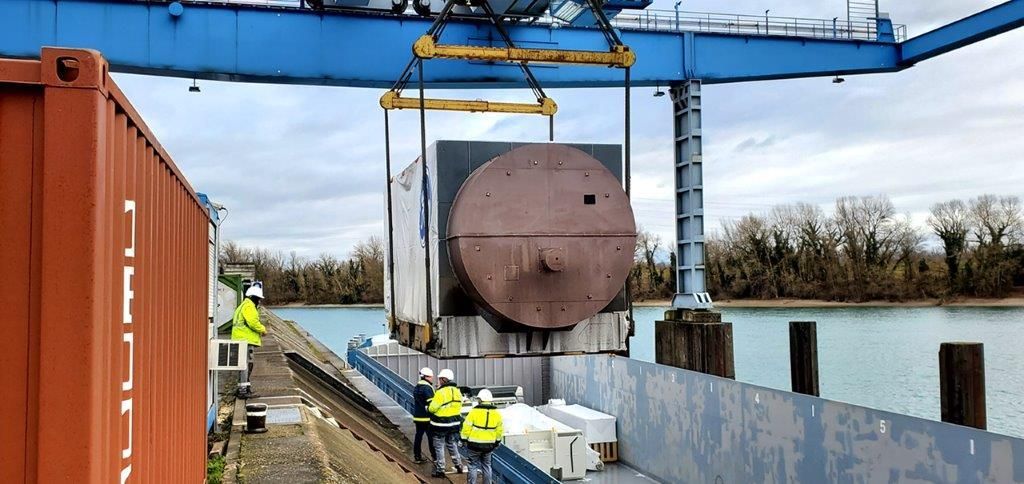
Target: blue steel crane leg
(691,292)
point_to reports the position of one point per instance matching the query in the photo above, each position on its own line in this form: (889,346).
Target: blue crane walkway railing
(733,24)
(509,467)
(687,21)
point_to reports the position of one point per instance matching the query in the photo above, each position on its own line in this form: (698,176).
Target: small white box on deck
(597,427)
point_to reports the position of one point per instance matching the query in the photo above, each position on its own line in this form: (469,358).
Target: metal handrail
(686,21)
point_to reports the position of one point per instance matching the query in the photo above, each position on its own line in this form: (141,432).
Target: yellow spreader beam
(427,48)
(546,106)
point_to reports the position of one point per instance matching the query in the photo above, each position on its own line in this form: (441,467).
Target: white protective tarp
(410,283)
(597,427)
(227,301)
(520,418)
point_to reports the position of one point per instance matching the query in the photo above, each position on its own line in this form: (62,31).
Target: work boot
(418,459)
(437,474)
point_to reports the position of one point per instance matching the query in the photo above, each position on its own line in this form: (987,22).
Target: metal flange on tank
(541,238)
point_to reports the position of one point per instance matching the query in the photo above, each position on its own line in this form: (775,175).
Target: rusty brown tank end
(542,236)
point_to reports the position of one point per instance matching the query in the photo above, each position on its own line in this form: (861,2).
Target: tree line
(322,280)
(359,279)
(865,251)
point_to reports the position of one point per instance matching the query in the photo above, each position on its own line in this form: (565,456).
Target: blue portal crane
(281,42)
(287,45)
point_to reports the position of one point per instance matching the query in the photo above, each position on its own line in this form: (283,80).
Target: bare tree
(751,240)
(230,252)
(369,255)
(950,222)
(996,224)
(866,223)
(646,277)
(996,219)
(904,242)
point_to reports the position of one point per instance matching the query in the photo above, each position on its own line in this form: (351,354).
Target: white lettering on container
(129,294)
(129,206)
(126,409)
(128,337)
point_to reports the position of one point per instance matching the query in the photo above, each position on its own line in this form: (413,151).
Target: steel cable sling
(616,44)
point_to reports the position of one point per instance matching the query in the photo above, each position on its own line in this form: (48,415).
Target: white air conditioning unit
(226,354)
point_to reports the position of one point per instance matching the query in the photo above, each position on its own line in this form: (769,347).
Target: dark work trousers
(423,428)
(247,372)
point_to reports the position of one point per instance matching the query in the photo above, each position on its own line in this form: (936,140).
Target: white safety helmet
(446,374)
(256,290)
(425,371)
(485,396)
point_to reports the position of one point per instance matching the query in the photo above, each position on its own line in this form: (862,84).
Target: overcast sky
(301,168)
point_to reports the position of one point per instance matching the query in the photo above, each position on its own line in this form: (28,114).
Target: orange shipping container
(103,349)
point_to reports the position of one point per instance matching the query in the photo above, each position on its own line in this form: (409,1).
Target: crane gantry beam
(294,46)
(968,30)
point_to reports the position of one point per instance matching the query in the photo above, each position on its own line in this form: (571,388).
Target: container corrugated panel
(103,256)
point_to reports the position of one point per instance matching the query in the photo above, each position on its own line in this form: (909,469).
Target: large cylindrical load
(541,237)
(554,230)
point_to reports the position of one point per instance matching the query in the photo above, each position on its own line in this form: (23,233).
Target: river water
(879,357)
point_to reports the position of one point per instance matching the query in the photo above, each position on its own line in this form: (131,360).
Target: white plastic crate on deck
(598,428)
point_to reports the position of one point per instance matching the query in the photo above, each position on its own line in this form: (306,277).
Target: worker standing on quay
(482,432)
(445,420)
(421,416)
(246,327)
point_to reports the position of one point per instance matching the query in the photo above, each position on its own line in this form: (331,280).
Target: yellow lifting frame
(546,106)
(427,48)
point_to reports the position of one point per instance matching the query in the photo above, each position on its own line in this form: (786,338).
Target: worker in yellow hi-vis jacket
(445,419)
(482,432)
(246,327)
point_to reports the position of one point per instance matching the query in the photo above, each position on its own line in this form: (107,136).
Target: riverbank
(813,303)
